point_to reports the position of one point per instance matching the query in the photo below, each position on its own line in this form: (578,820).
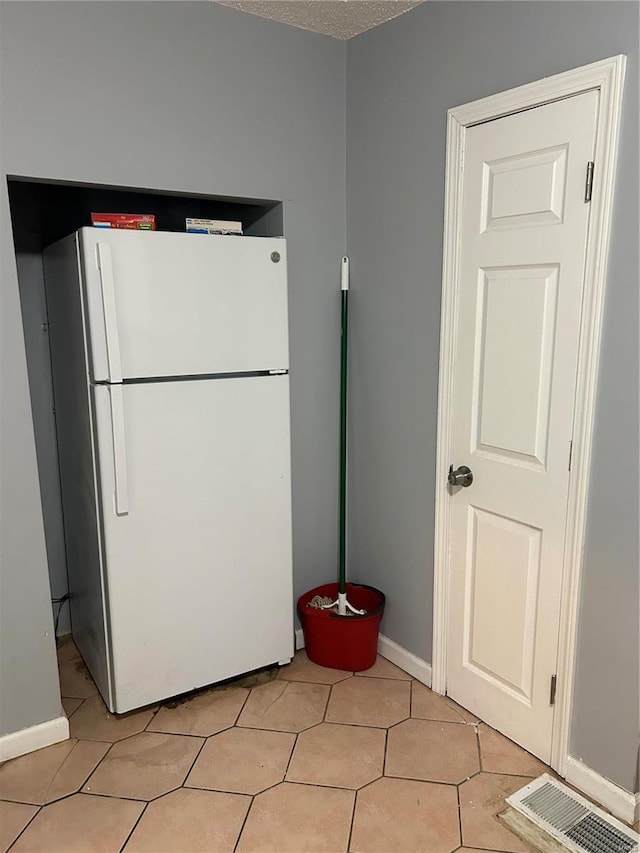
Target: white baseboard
(35,737)
(415,666)
(622,804)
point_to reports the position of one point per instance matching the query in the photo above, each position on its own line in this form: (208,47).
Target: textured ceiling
(341,19)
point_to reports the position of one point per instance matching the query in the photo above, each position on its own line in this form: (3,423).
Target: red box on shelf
(131,221)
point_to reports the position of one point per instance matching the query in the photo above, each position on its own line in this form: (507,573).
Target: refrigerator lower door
(195,498)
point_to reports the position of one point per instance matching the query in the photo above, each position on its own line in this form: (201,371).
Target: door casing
(607,76)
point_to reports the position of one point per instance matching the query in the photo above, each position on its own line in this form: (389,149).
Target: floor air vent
(573,821)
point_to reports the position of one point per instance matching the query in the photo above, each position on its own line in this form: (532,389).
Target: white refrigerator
(171,387)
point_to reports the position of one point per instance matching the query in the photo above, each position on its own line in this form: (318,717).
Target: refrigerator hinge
(552,691)
(589,184)
(276,372)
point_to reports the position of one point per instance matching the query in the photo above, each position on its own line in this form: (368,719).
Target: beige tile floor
(294,760)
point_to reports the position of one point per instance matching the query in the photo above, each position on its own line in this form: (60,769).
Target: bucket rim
(376,610)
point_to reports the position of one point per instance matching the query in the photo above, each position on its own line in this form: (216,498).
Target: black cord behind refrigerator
(60,602)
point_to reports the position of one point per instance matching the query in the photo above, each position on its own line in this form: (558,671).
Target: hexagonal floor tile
(481,800)
(80,823)
(144,766)
(302,669)
(69,706)
(294,818)
(398,814)
(338,756)
(433,751)
(75,681)
(427,705)
(51,773)
(201,714)
(190,820)
(92,721)
(13,819)
(501,755)
(286,706)
(244,761)
(378,702)
(383,668)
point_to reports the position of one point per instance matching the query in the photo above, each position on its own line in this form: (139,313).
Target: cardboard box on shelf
(130,221)
(213,226)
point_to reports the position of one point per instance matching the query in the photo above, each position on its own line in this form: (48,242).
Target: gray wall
(401,79)
(29,691)
(34,315)
(193,98)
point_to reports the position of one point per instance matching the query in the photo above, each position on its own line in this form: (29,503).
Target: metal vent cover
(596,835)
(572,820)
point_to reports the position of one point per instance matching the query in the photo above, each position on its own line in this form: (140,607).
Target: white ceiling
(341,19)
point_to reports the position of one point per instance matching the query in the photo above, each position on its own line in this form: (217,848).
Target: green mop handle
(344,286)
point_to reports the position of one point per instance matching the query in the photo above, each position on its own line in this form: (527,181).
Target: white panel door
(169,304)
(195,492)
(523,238)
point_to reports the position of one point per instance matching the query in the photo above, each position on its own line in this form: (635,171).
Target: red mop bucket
(342,642)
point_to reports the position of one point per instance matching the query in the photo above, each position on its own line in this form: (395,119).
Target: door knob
(462,476)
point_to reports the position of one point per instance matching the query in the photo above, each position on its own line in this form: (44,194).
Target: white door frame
(607,76)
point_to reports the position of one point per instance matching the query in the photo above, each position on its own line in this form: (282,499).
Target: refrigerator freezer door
(198,572)
(163,304)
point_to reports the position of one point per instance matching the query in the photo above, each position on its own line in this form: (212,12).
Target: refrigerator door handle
(110,314)
(119,450)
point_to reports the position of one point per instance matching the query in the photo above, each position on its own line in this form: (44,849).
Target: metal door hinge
(552,691)
(588,189)
(570,453)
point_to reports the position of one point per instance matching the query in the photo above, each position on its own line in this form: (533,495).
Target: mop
(341,606)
